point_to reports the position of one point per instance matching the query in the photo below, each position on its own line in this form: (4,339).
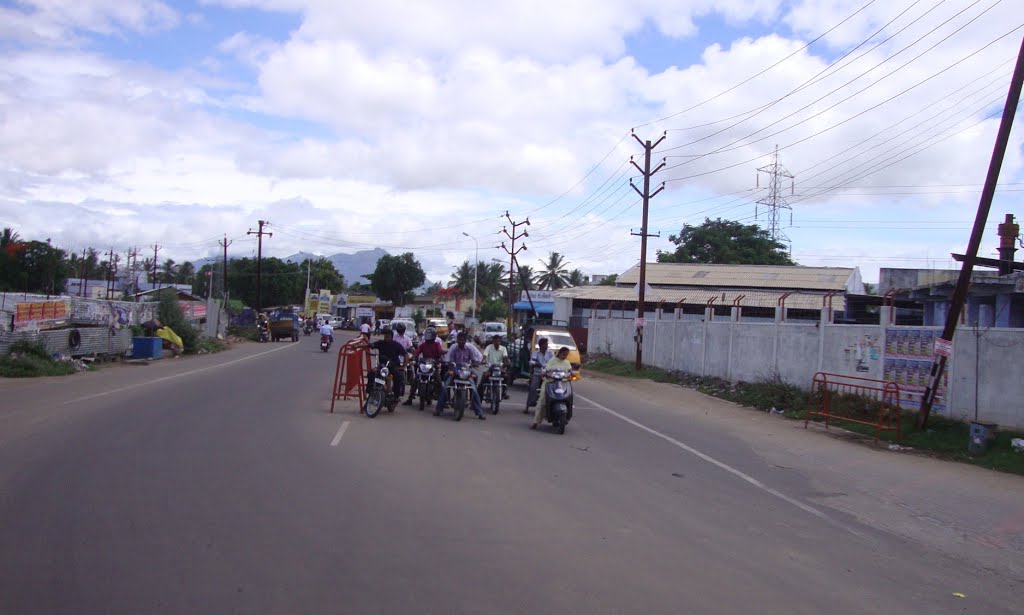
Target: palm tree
(525,274)
(491,281)
(462,278)
(554,274)
(170,271)
(9,241)
(576,278)
(147,270)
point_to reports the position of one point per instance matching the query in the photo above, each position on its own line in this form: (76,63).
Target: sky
(415,126)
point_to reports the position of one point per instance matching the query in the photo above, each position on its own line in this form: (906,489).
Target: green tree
(553,275)
(576,278)
(493,281)
(283,283)
(169,313)
(462,278)
(186,274)
(168,271)
(523,280)
(396,277)
(493,309)
(725,242)
(609,280)
(323,274)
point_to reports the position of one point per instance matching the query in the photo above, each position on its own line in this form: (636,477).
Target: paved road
(210,485)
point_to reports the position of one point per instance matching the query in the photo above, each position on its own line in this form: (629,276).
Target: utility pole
(259,258)
(115,258)
(224,278)
(647,196)
(156,250)
(512,251)
(131,262)
(774,200)
(984,205)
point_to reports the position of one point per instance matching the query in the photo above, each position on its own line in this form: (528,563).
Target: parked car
(489,329)
(440,325)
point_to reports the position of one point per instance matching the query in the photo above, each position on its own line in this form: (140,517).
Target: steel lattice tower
(775,200)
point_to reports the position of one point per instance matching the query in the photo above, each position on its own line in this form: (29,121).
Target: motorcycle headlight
(425,367)
(463,372)
(384,372)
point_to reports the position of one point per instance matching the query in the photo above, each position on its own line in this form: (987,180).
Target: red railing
(865,401)
(350,375)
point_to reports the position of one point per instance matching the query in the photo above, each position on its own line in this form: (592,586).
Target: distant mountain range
(352,266)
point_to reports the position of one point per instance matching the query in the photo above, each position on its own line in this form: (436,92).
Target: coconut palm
(576,278)
(170,271)
(492,281)
(462,278)
(553,275)
(186,271)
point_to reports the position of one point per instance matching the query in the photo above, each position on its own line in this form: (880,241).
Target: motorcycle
(558,398)
(428,385)
(308,327)
(460,390)
(493,389)
(264,333)
(325,342)
(382,391)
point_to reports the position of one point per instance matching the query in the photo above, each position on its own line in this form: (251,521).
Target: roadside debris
(1017,444)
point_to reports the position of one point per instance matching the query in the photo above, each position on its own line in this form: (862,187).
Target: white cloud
(57,21)
(459,111)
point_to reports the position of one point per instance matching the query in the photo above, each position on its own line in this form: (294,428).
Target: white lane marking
(728,468)
(171,377)
(341,432)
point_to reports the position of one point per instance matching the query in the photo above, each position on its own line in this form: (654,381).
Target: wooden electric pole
(647,196)
(512,251)
(259,257)
(224,278)
(963,282)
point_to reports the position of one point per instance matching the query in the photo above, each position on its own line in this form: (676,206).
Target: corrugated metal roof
(672,296)
(741,276)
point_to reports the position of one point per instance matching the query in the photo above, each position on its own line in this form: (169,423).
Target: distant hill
(353,266)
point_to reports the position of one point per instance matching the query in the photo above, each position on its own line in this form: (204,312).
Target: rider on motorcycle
(430,348)
(325,329)
(561,361)
(496,353)
(401,337)
(388,352)
(538,359)
(461,354)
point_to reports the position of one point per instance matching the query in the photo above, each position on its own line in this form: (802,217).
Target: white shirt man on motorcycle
(325,329)
(496,353)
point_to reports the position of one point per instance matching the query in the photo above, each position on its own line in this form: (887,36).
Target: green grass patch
(210,345)
(944,438)
(28,359)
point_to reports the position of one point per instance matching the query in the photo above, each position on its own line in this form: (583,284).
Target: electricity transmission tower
(775,200)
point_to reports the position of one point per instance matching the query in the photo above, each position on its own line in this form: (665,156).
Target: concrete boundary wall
(984,381)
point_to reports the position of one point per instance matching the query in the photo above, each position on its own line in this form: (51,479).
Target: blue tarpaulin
(542,307)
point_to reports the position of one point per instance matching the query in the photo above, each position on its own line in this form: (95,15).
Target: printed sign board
(943,347)
(41,314)
(538,295)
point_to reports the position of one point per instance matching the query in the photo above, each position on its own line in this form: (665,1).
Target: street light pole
(476,265)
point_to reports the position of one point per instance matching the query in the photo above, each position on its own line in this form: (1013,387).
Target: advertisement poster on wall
(324,303)
(909,355)
(42,315)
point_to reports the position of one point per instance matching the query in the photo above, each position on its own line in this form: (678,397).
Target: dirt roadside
(958,509)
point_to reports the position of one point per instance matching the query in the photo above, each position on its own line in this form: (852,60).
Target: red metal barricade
(864,401)
(350,375)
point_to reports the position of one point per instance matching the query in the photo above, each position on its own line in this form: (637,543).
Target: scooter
(308,327)
(325,342)
(558,398)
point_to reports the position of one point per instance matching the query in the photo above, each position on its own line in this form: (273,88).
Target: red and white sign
(943,348)
(640,322)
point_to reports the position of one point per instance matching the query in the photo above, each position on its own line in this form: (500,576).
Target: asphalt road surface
(222,484)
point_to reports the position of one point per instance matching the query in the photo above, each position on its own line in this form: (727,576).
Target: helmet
(400,327)
(430,334)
